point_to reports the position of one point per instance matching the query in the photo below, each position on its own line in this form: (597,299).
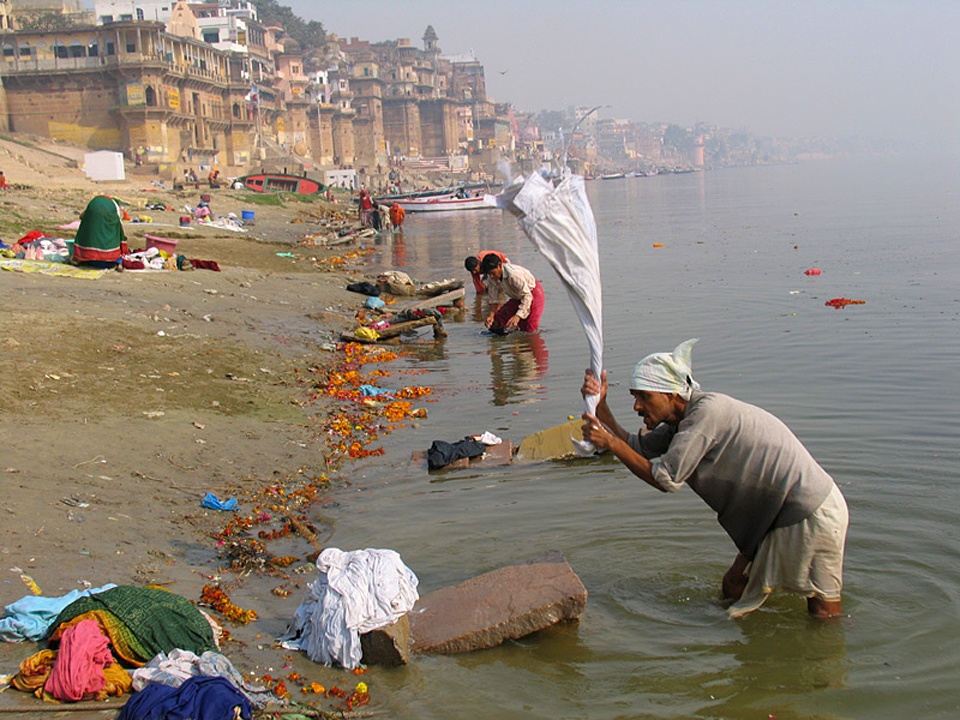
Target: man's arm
(601,437)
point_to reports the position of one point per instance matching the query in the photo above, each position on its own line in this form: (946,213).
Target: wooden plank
(392,331)
(445,300)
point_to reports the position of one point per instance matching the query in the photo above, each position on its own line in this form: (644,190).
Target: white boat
(441,204)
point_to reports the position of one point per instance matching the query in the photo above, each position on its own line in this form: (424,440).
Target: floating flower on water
(842,302)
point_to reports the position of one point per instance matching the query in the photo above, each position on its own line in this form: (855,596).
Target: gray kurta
(744,462)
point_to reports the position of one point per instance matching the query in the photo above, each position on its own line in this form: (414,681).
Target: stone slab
(551,444)
(495,455)
(501,605)
(387,646)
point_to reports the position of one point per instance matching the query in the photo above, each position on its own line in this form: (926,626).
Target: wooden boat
(446,203)
(281,182)
(434,192)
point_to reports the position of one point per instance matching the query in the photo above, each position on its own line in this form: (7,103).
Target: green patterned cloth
(159,620)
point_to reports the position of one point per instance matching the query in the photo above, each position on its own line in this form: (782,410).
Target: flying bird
(503,72)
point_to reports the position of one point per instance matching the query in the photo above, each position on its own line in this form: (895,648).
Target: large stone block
(501,605)
(387,646)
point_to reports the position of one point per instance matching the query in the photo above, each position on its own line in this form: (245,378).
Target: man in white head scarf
(784,513)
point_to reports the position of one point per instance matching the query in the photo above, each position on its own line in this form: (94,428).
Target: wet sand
(127,398)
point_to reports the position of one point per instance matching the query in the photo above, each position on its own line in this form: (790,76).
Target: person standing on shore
(472,266)
(526,301)
(784,513)
(397,215)
(365,208)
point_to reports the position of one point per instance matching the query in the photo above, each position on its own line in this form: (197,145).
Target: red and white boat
(448,202)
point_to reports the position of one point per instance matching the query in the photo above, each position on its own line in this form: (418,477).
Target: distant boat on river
(447,203)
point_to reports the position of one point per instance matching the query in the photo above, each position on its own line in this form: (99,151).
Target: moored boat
(281,182)
(445,203)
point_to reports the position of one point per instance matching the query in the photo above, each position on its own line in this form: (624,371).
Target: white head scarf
(667,372)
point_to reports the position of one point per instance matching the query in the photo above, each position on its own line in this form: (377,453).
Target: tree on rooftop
(310,34)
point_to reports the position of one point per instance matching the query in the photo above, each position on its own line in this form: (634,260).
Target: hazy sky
(774,67)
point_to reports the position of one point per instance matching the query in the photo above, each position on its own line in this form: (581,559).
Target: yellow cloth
(50,268)
(366,333)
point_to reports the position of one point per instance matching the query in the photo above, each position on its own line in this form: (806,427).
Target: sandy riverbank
(125,399)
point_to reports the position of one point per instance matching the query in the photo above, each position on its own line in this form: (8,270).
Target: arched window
(8,50)
(25,50)
(76,49)
(150,96)
(236,111)
(60,50)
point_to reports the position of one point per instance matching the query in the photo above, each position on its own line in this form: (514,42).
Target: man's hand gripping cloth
(356,592)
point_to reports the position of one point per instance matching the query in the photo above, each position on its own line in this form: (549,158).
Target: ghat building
(199,84)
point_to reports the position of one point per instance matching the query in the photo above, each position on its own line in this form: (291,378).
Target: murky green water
(872,390)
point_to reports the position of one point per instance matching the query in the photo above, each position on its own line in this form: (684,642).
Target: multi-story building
(199,84)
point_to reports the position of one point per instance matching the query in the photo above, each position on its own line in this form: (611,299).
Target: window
(139,13)
(211,36)
(93,49)
(110,49)
(104,19)
(25,50)
(131,47)
(59,50)
(8,50)
(76,50)
(126,18)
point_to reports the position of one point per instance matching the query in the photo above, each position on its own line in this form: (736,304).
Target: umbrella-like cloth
(558,220)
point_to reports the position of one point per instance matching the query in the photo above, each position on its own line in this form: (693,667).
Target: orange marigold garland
(217,599)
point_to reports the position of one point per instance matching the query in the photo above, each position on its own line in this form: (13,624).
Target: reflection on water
(871,390)
(518,363)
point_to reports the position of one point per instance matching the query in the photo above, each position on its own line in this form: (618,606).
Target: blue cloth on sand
(198,698)
(211,502)
(30,617)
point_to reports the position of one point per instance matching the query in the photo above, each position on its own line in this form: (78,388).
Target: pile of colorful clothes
(35,245)
(95,637)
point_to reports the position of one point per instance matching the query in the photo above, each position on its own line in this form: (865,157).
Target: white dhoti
(805,558)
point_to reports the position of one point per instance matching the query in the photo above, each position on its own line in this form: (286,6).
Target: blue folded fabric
(30,617)
(198,698)
(374,303)
(211,502)
(372,390)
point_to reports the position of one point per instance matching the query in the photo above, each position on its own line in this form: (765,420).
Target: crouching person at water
(785,514)
(524,307)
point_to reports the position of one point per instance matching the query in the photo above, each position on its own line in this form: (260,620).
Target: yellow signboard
(135,94)
(280,125)
(173,98)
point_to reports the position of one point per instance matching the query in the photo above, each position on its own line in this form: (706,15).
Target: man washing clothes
(782,510)
(525,302)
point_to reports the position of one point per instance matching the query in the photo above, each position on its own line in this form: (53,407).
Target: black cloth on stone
(365,288)
(443,453)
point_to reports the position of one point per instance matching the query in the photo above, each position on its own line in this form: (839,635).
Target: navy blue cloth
(198,698)
(443,453)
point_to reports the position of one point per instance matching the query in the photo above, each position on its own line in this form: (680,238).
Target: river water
(871,390)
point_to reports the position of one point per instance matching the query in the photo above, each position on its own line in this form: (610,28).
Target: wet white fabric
(804,558)
(558,220)
(356,592)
